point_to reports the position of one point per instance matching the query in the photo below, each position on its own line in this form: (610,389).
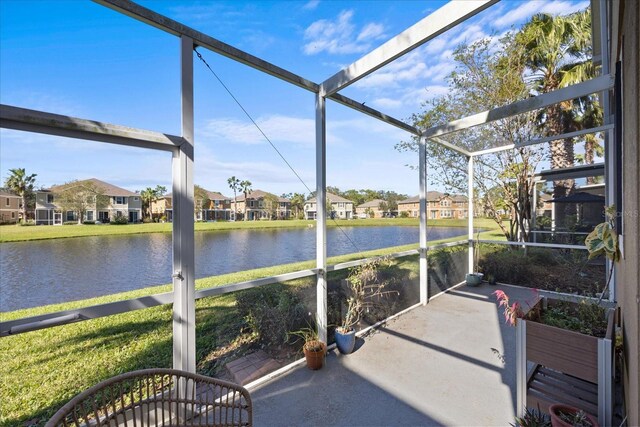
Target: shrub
(508,266)
(271,312)
(119,220)
(404,214)
(147,220)
(70,223)
(27,223)
(89,222)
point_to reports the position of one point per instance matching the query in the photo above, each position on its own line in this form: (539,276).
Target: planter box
(568,367)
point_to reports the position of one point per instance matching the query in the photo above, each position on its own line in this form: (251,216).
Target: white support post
(521,367)
(424,277)
(609,139)
(470,211)
(184,331)
(605,379)
(321,216)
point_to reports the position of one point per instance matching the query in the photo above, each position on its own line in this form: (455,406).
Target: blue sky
(81,59)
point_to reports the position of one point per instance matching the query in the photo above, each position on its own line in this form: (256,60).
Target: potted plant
(567,340)
(314,350)
(365,287)
(568,416)
(533,418)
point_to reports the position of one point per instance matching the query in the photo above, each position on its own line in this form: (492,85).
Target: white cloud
(338,36)
(279,129)
(528,9)
(387,103)
(371,31)
(311,5)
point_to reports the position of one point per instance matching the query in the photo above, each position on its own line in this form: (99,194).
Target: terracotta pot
(556,421)
(315,359)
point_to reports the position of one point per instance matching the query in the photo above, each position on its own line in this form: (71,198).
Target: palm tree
(245,187)
(22,184)
(147,196)
(558,54)
(297,204)
(234,184)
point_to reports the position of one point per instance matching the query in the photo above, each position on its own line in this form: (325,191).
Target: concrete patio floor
(436,365)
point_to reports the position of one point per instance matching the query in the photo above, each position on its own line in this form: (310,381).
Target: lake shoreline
(17,233)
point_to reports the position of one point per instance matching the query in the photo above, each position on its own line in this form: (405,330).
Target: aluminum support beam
(184,328)
(176,28)
(470,215)
(542,140)
(597,84)
(448,16)
(451,146)
(422,172)
(71,127)
(358,106)
(521,367)
(321,216)
(610,154)
(49,320)
(535,245)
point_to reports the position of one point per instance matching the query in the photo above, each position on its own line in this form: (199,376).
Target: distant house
(340,207)
(258,207)
(439,206)
(120,202)
(366,210)
(218,208)
(162,207)
(545,206)
(10,204)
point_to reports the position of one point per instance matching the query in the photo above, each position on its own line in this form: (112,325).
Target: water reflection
(52,271)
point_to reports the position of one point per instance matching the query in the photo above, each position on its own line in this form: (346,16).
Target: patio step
(251,367)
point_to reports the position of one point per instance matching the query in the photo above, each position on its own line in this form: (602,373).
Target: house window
(8,201)
(49,198)
(433,214)
(89,215)
(445,203)
(445,214)
(136,199)
(13,214)
(70,216)
(251,204)
(118,200)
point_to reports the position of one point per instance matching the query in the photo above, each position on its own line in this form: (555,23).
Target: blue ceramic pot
(473,279)
(346,342)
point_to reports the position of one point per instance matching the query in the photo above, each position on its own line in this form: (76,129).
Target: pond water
(52,271)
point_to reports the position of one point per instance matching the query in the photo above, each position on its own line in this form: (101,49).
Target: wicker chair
(158,397)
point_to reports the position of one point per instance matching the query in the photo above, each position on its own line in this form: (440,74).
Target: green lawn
(17,233)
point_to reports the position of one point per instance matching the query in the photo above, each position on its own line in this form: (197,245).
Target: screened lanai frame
(182,148)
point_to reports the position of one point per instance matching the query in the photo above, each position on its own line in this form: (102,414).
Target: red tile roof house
(340,207)
(257,207)
(439,206)
(121,202)
(9,207)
